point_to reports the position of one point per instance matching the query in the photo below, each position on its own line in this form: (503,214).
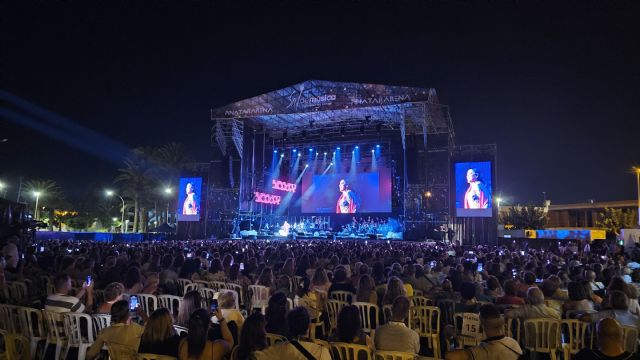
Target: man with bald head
(535,307)
(610,343)
(495,346)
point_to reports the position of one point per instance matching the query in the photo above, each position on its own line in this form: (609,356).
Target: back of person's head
(133,277)
(277,310)
(348,326)
(511,287)
(320,277)
(400,308)
(339,275)
(548,288)
(61,283)
(282,283)
(468,291)
(298,321)
(529,278)
(491,320)
(190,302)
(395,288)
(619,300)
(609,332)
(227,299)
(198,326)
(493,283)
(120,311)
(253,336)
(535,296)
(113,291)
(305,288)
(159,327)
(576,291)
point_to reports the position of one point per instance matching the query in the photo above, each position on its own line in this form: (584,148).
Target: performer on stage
(478,196)
(347,202)
(190,206)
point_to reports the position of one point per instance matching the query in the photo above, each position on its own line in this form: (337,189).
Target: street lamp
(3,189)
(110,193)
(168,191)
(37,195)
(637,171)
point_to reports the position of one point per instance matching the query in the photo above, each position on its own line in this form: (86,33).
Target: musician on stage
(190,206)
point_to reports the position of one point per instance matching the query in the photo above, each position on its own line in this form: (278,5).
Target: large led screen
(473,189)
(347,193)
(189,199)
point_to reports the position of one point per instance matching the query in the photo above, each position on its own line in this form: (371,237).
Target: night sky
(556,87)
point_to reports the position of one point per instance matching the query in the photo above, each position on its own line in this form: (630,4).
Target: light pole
(637,170)
(3,189)
(168,191)
(498,200)
(37,195)
(111,193)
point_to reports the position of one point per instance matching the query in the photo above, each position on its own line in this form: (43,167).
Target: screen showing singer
(473,189)
(347,202)
(189,199)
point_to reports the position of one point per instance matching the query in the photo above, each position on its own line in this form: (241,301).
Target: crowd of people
(370,226)
(593,284)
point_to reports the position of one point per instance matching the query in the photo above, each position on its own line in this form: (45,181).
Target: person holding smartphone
(62,302)
(122,331)
(196,345)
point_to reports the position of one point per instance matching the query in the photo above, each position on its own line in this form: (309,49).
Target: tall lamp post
(37,196)
(3,189)
(637,171)
(110,193)
(168,191)
(498,201)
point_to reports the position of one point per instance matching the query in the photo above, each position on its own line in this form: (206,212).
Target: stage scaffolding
(316,112)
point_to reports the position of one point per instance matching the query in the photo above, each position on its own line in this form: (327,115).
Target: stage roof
(329,107)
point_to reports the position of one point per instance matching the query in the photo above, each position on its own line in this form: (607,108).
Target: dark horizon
(553,85)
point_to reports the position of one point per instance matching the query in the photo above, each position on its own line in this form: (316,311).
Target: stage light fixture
(325,153)
(281,155)
(373,150)
(310,149)
(275,151)
(377,146)
(294,150)
(306,165)
(299,155)
(357,147)
(338,148)
(330,164)
(317,153)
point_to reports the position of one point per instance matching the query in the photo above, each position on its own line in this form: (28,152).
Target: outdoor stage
(368,160)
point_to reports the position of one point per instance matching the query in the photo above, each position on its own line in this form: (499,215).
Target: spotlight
(299,155)
(281,155)
(372,150)
(317,153)
(338,148)
(325,153)
(330,164)
(377,146)
(310,149)
(275,151)
(294,150)
(306,165)
(357,147)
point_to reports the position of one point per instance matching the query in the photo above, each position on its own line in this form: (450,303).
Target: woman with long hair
(276,314)
(266,279)
(349,328)
(252,338)
(395,288)
(197,346)
(190,302)
(366,290)
(159,337)
(320,280)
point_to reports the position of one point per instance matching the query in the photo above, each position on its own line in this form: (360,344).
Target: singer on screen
(190,206)
(347,202)
(478,196)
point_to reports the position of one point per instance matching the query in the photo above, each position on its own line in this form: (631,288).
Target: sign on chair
(471,325)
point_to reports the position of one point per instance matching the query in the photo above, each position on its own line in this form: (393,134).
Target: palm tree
(138,177)
(51,194)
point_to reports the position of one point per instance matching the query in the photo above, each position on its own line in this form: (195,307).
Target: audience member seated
(340,282)
(495,346)
(122,332)
(191,301)
(578,300)
(535,307)
(61,302)
(395,288)
(276,315)
(253,338)
(395,335)
(159,337)
(298,347)
(618,303)
(510,294)
(349,328)
(610,343)
(112,293)
(366,290)
(468,304)
(528,281)
(227,303)
(309,299)
(197,346)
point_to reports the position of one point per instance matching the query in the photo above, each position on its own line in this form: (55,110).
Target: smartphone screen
(480,267)
(214,306)
(241,266)
(41,248)
(133,303)
(522,253)
(88,279)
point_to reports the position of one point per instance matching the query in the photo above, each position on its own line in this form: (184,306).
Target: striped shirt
(63,303)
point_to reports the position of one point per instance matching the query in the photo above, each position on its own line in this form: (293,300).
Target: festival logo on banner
(379,100)
(284,186)
(296,99)
(267,198)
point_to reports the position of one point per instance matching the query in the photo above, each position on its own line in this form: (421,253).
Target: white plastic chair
(191,287)
(542,336)
(344,351)
(259,297)
(180,330)
(33,327)
(182,283)
(170,302)
(100,322)
(149,303)
(241,300)
(333,309)
(344,296)
(77,325)
(56,334)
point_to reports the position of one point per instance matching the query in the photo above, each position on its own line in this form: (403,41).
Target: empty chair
(426,323)
(79,328)
(344,351)
(217,285)
(149,303)
(170,302)
(630,336)
(542,336)
(333,309)
(33,327)
(191,287)
(574,335)
(259,297)
(56,334)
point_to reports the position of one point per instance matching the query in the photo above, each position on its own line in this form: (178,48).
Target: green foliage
(527,217)
(612,220)
(51,195)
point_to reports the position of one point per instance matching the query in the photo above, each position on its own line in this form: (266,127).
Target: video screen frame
(189,203)
(473,184)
